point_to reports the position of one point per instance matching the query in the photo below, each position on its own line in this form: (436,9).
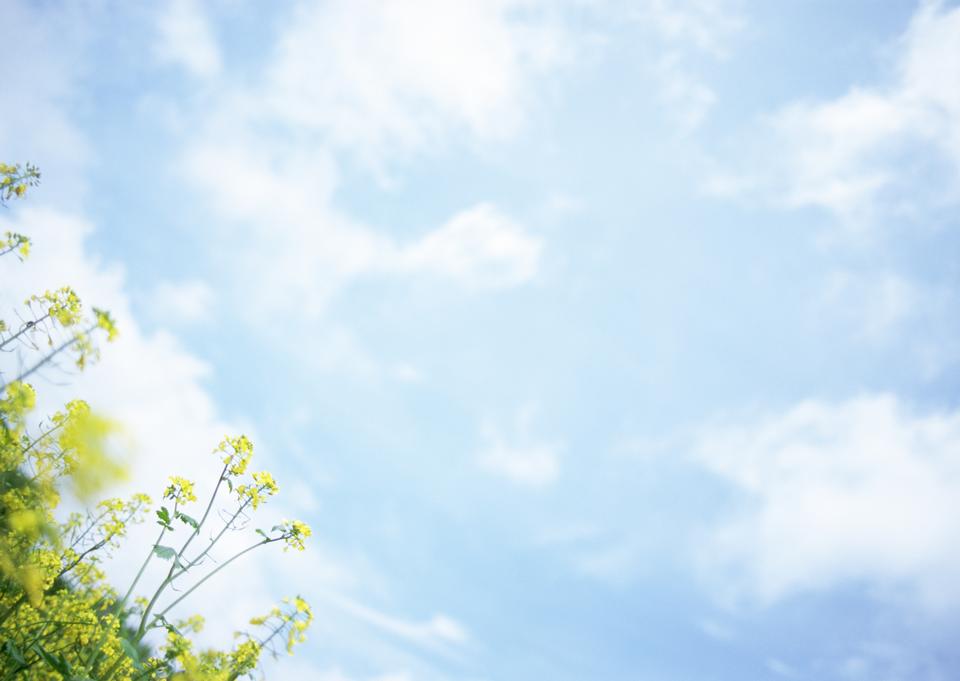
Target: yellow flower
(245,657)
(180,489)
(294,532)
(237,453)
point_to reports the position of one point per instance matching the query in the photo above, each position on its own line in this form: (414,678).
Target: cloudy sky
(597,339)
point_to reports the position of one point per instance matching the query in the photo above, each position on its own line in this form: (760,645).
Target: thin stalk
(40,438)
(26,327)
(49,356)
(143,567)
(211,574)
(213,541)
(141,629)
(93,524)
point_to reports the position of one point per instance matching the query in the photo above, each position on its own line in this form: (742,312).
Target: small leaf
(164,552)
(188,520)
(13,652)
(58,662)
(131,652)
(262,533)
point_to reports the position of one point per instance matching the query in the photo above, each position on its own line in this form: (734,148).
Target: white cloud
(407,373)
(861,152)
(684,91)
(300,250)
(884,659)
(362,79)
(534,465)
(704,25)
(883,309)
(781,668)
(437,632)
(686,31)
(479,248)
(523,461)
(184,39)
(716,630)
(181,301)
(863,491)
(874,305)
(368,74)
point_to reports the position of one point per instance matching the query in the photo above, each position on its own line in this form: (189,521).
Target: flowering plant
(59,616)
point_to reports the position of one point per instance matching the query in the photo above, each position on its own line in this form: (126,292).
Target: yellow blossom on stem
(180,489)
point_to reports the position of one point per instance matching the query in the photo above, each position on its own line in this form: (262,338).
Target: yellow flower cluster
(292,622)
(294,532)
(300,620)
(13,241)
(237,452)
(59,617)
(105,321)
(245,657)
(14,180)
(84,453)
(180,490)
(63,305)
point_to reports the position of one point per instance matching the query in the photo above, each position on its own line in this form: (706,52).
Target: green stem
(143,567)
(141,629)
(211,574)
(213,541)
(40,439)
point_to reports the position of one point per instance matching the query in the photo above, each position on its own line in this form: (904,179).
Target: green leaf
(13,652)
(132,652)
(57,662)
(164,518)
(262,533)
(164,552)
(188,520)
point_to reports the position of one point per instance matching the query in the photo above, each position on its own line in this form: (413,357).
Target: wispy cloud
(863,490)
(439,632)
(521,458)
(688,31)
(367,75)
(185,39)
(360,80)
(301,250)
(479,247)
(862,153)
(181,301)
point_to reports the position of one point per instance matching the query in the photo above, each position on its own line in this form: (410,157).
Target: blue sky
(595,339)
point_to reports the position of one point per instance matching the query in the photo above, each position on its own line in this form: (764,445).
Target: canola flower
(60,618)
